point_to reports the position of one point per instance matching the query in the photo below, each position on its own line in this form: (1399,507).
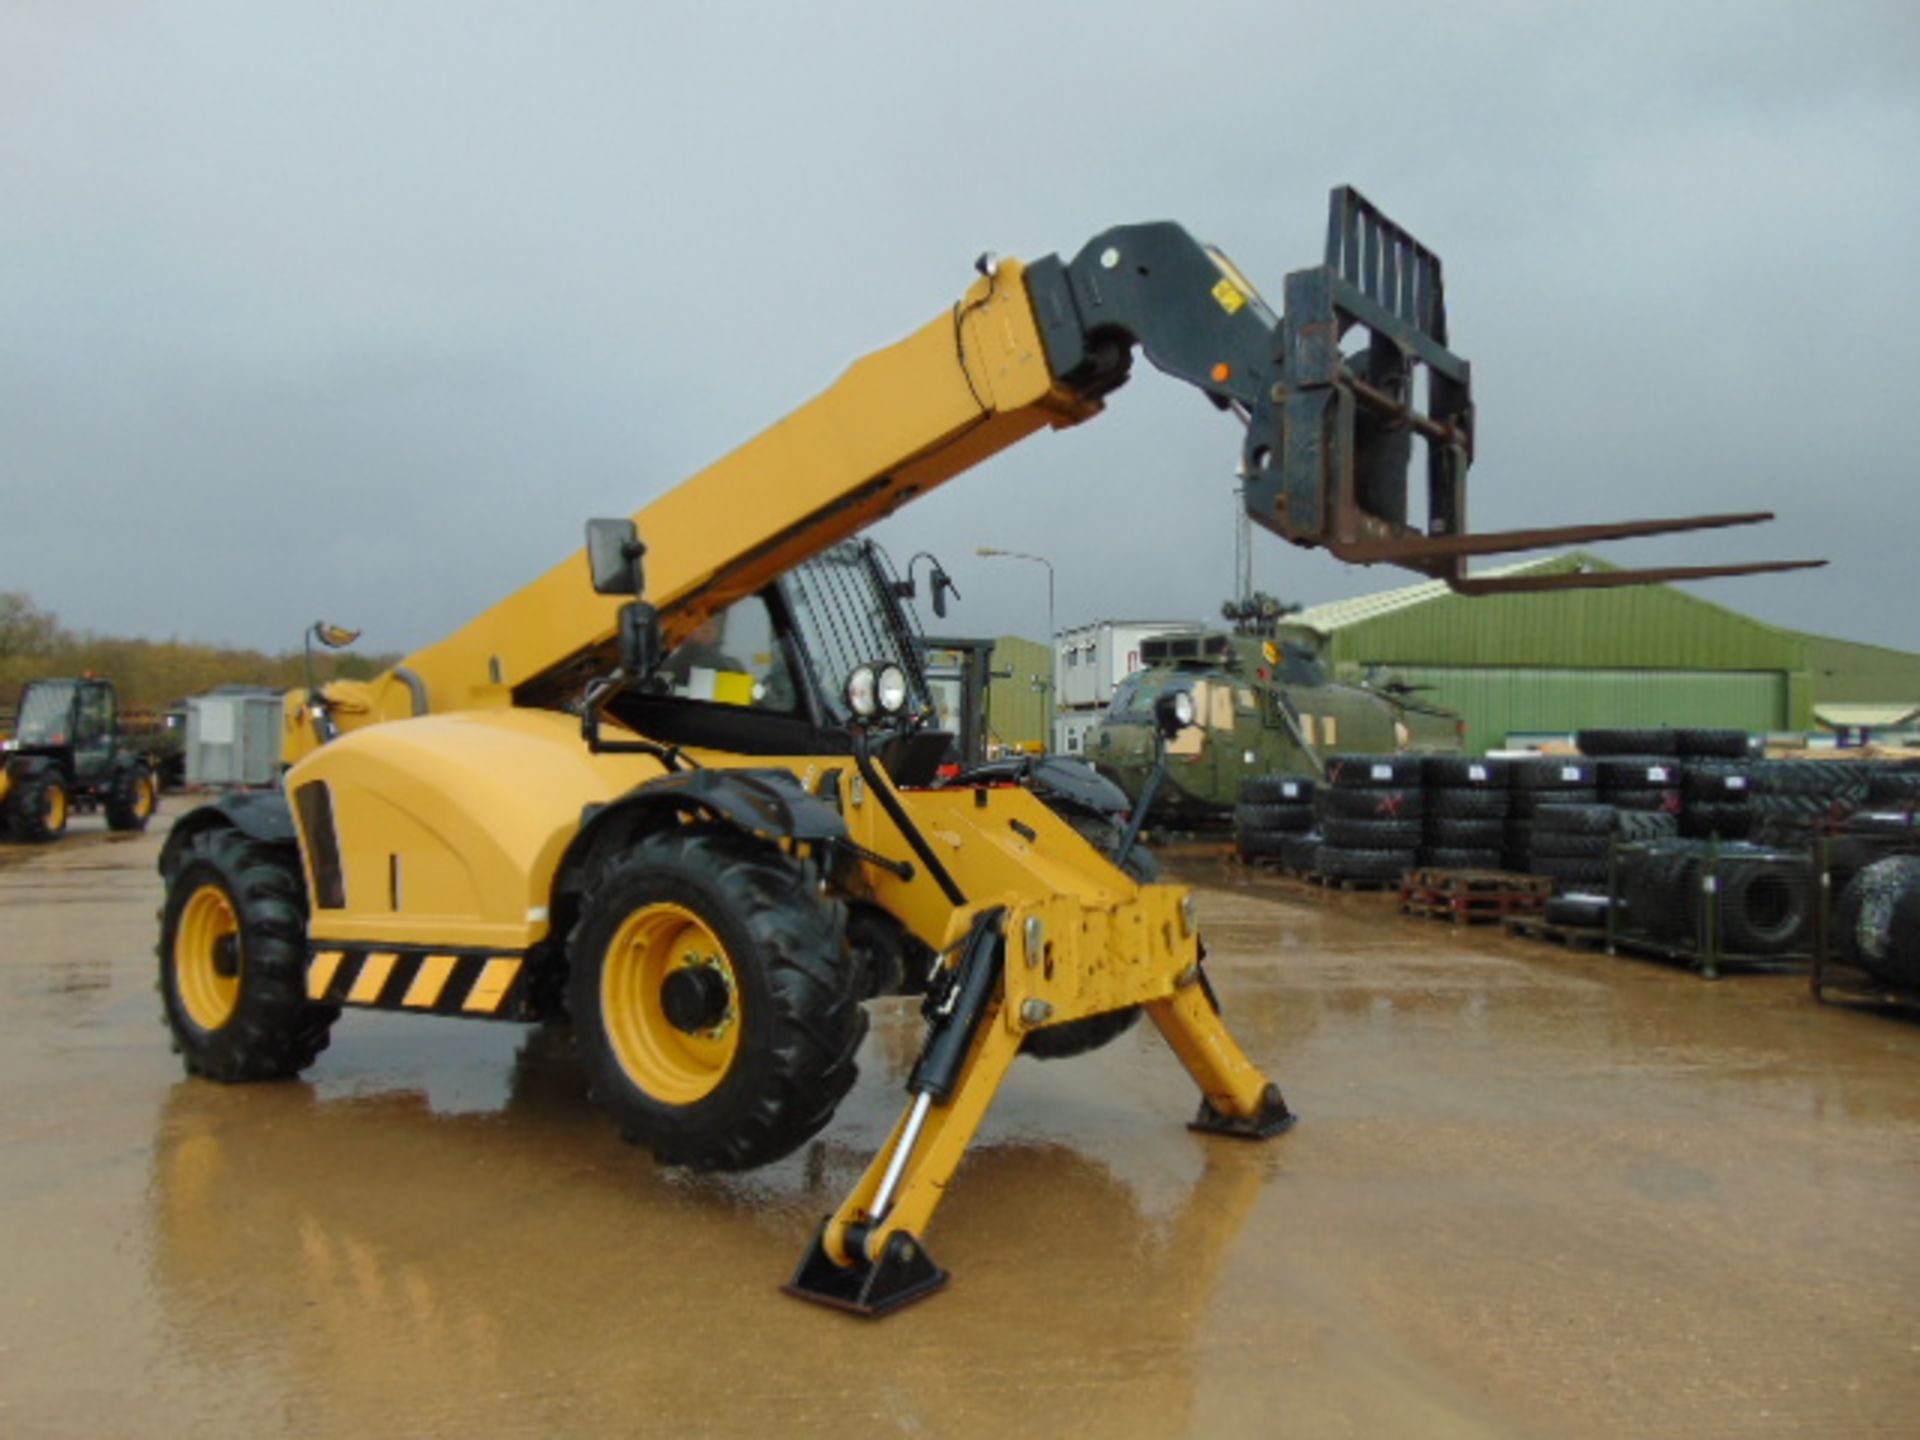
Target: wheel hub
(695,998)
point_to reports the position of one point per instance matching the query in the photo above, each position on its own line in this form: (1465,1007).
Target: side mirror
(1173,712)
(334,637)
(614,556)
(942,583)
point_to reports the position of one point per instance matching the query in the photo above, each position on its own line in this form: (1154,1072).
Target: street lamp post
(1053,635)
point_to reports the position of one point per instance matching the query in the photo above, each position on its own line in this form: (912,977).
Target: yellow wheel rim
(206,958)
(56,809)
(143,797)
(670,1064)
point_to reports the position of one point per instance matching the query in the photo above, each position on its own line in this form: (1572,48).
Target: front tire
(233,962)
(131,800)
(714,999)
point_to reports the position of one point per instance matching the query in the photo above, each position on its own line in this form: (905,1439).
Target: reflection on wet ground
(1533,1193)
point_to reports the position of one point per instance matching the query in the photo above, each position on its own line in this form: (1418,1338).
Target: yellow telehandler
(704,825)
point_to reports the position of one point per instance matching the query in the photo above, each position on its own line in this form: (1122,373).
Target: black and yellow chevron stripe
(488,985)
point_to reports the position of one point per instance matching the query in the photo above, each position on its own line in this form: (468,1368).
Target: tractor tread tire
(1344,834)
(1340,862)
(1276,790)
(275,1031)
(1720,744)
(1373,772)
(1264,817)
(1577,909)
(1762,906)
(1646,825)
(1454,803)
(1441,857)
(1525,804)
(1569,845)
(1264,844)
(1463,772)
(800,999)
(1574,820)
(127,807)
(1877,924)
(1654,800)
(1637,772)
(1617,741)
(28,807)
(1728,822)
(1452,834)
(1550,772)
(1382,803)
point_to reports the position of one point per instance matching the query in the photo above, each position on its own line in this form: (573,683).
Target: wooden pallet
(1574,937)
(1468,897)
(1345,882)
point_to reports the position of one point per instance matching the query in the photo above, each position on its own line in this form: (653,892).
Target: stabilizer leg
(1235,1098)
(867,1258)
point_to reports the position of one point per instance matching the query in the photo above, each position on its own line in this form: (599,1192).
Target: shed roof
(1337,614)
(1873,717)
(1642,627)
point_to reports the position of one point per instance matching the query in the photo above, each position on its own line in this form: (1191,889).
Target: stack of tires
(1370,811)
(1714,799)
(1467,802)
(1894,785)
(1791,799)
(1534,781)
(1716,781)
(1762,897)
(1273,809)
(1636,769)
(1877,925)
(1570,845)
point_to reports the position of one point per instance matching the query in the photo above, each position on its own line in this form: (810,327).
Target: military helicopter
(1264,705)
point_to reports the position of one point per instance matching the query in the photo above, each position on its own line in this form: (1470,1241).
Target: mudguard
(769,803)
(262,815)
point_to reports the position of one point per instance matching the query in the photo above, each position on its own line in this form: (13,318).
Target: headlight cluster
(877,690)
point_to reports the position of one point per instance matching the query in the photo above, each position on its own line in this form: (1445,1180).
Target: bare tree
(24,628)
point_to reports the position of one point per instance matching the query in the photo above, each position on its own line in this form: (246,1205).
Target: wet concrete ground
(1533,1194)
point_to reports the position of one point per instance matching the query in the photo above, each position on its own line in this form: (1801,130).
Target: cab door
(93,733)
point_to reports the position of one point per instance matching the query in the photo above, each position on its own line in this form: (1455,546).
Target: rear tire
(233,962)
(739,1069)
(40,808)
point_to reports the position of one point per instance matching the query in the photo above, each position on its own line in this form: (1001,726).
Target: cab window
(733,657)
(93,719)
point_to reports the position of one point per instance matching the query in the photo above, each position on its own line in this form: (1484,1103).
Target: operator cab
(769,674)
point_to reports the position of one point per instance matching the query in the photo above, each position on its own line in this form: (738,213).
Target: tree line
(150,675)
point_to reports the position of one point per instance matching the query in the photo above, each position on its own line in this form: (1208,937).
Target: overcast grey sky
(360,309)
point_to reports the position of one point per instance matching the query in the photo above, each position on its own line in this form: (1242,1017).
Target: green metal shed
(1553,662)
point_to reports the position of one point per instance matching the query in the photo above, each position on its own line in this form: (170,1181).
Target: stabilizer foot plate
(903,1274)
(1274,1119)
